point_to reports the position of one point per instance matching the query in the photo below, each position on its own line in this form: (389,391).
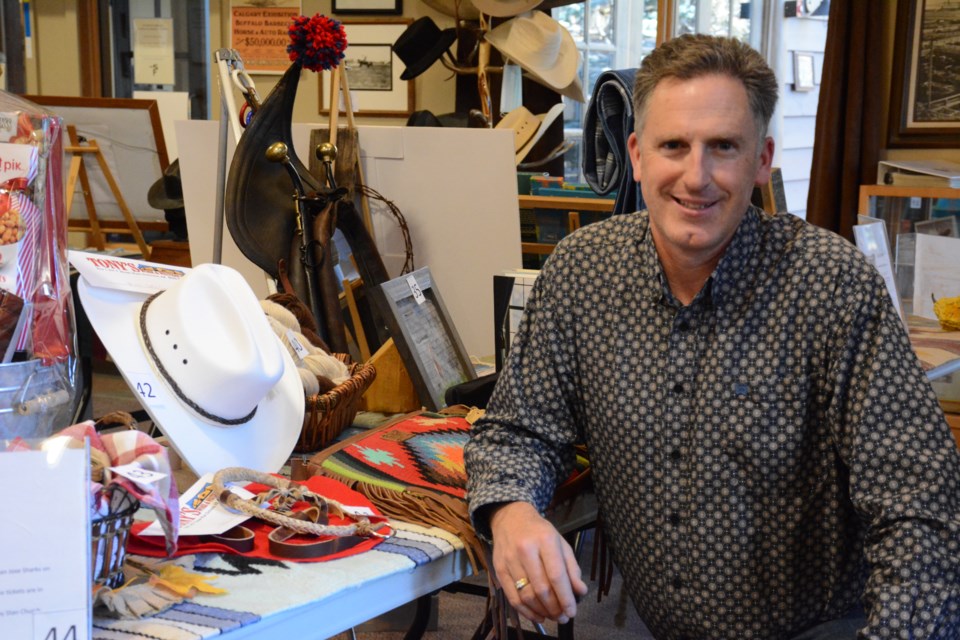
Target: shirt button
(674,519)
(683,325)
(677,583)
(678,387)
(676,456)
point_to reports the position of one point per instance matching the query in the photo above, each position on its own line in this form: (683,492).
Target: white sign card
(45,568)
(936,272)
(124,274)
(153,51)
(871,237)
(201,513)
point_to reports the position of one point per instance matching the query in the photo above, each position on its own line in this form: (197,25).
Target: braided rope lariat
(285,493)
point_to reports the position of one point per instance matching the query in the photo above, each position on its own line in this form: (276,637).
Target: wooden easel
(78,171)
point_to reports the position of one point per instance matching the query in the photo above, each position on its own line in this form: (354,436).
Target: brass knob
(277,152)
(326,152)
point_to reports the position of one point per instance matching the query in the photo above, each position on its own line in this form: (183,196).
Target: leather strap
(238,538)
(281,546)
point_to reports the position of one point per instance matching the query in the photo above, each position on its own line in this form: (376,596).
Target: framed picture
(258,32)
(923,110)
(373,70)
(428,342)
(369,7)
(803,73)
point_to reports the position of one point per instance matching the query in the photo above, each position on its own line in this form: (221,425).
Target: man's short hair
(695,55)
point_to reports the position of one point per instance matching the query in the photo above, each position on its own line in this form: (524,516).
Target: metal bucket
(36,401)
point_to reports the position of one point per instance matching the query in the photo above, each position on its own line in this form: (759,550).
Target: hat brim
(447,36)
(264,443)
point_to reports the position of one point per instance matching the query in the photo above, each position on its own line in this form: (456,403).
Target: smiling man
(769,459)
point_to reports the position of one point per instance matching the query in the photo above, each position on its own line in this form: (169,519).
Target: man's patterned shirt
(763,456)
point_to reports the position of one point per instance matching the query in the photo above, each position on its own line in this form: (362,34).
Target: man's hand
(526,546)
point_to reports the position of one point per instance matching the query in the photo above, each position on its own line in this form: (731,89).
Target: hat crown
(209,334)
(539,44)
(417,39)
(541,34)
(421,44)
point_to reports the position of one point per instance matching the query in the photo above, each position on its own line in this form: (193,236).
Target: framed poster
(258,32)
(924,105)
(425,336)
(373,70)
(370,7)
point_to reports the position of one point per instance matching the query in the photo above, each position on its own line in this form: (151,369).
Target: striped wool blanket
(260,588)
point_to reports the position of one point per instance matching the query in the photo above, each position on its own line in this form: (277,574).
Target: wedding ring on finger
(521,583)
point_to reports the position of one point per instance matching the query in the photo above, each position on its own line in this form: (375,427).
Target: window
(616,34)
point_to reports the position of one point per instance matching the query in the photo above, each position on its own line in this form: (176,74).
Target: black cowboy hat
(422,44)
(167,192)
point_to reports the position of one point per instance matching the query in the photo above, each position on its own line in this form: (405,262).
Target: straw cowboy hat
(528,128)
(420,45)
(206,366)
(543,48)
(524,125)
(544,120)
(505,8)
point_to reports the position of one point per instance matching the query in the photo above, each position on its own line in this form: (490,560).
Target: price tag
(415,290)
(138,474)
(358,511)
(916,202)
(296,345)
(147,388)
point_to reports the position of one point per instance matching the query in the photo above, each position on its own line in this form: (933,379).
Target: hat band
(173,385)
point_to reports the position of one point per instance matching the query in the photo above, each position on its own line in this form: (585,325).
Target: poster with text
(258,32)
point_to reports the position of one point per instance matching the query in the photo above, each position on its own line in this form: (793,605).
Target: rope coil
(289,493)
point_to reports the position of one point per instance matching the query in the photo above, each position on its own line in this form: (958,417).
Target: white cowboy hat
(204,362)
(505,8)
(524,125)
(543,48)
(544,120)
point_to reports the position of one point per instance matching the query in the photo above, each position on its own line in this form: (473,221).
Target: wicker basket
(108,539)
(328,414)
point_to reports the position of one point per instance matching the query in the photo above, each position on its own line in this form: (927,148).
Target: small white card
(139,475)
(416,290)
(45,567)
(201,513)
(113,272)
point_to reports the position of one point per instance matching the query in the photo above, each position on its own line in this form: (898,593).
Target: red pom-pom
(317,43)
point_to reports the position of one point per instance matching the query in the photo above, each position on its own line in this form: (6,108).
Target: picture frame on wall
(368,7)
(923,106)
(373,70)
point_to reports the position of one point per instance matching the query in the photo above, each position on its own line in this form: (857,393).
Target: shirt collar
(729,281)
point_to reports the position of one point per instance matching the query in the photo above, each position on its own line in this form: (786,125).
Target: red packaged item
(38,371)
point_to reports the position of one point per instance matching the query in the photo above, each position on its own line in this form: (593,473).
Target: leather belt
(238,538)
(281,546)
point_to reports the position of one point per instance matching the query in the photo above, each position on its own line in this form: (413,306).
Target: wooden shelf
(563,202)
